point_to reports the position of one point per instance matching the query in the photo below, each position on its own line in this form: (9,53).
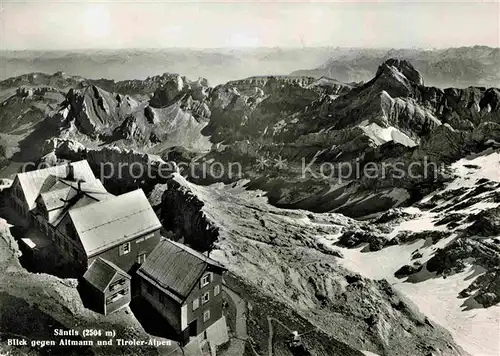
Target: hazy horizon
(145,49)
(157,25)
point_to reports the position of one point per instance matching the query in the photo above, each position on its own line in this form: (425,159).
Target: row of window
(205,298)
(125,249)
(18,192)
(19,208)
(66,246)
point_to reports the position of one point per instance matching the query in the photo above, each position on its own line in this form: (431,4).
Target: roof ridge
(114,197)
(53,167)
(103,201)
(112,265)
(110,221)
(194,253)
(114,242)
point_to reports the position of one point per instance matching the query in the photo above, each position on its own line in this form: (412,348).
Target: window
(149,288)
(18,192)
(141,258)
(196,304)
(205,298)
(161,298)
(206,315)
(116,296)
(216,290)
(116,285)
(125,248)
(69,231)
(205,280)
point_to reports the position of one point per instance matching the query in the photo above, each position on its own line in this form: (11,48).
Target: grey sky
(157,24)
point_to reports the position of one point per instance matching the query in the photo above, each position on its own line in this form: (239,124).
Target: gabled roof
(33,182)
(66,195)
(54,199)
(101,272)
(175,268)
(114,221)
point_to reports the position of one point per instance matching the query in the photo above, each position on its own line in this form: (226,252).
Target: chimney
(79,185)
(70,170)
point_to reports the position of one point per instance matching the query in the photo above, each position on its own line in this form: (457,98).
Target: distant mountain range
(451,67)
(457,67)
(217,65)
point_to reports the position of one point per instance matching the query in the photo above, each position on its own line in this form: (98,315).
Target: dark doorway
(193,330)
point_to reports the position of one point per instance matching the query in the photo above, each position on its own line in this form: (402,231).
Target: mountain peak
(402,66)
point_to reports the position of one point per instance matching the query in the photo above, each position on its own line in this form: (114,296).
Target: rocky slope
(442,253)
(280,254)
(157,114)
(331,137)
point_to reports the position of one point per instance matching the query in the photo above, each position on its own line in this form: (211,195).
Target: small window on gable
(216,290)
(205,280)
(206,315)
(196,304)
(205,298)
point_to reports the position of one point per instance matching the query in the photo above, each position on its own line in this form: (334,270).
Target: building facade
(73,209)
(106,287)
(184,286)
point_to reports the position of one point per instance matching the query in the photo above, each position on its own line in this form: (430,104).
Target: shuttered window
(117,285)
(205,298)
(196,304)
(216,290)
(117,296)
(206,315)
(124,249)
(206,279)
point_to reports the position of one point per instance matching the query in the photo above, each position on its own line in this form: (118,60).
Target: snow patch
(382,135)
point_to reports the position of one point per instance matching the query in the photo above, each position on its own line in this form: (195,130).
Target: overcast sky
(159,24)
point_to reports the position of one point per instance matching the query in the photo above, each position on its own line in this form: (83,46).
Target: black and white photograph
(249,178)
